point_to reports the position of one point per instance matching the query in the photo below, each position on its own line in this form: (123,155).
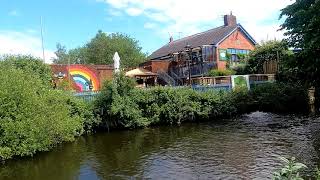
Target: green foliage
(221,72)
(122,106)
(29,65)
(240,68)
(73,56)
(114,106)
(228,56)
(317,176)
(101,49)
(290,171)
(34,117)
(270,50)
(241,56)
(279,97)
(302,28)
(302,24)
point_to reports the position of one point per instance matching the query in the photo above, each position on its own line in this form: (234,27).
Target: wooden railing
(212,80)
(226,80)
(261,77)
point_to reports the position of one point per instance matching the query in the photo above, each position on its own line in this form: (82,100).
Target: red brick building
(207,50)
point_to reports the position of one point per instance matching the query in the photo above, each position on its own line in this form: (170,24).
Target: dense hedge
(29,65)
(122,106)
(34,117)
(223,72)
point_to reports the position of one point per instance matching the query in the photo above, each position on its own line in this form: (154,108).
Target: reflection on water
(244,148)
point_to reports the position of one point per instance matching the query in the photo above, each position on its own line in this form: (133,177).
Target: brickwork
(236,40)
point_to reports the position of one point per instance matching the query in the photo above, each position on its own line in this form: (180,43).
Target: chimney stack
(171,39)
(230,20)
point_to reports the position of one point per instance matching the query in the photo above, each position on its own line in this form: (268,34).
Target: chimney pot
(230,20)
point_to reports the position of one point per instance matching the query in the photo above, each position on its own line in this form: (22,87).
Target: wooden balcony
(226,80)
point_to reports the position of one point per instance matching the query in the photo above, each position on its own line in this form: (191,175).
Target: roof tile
(212,36)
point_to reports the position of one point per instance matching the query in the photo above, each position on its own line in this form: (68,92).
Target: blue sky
(151,22)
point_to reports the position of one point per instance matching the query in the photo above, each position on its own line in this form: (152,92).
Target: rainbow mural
(83,77)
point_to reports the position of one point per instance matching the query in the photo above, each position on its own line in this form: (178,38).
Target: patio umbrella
(116,62)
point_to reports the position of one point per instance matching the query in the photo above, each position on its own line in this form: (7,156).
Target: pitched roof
(210,37)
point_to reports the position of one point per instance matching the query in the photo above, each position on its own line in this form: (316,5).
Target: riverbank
(120,105)
(35,118)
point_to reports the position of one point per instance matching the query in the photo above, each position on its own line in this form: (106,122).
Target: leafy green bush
(240,68)
(34,117)
(30,65)
(115,107)
(290,171)
(266,51)
(132,108)
(221,72)
(279,97)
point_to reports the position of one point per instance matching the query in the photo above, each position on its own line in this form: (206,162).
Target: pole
(188,50)
(202,72)
(69,78)
(42,39)
(278,62)
(189,70)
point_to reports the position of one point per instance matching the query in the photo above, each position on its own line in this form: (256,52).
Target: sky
(74,22)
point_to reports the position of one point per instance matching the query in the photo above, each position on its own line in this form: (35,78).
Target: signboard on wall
(223,54)
(239,81)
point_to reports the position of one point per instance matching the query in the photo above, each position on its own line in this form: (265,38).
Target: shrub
(279,97)
(291,170)
(34,117)
(219,72)
(134,108)
(30,65)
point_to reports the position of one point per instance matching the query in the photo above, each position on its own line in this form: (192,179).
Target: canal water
(247,147)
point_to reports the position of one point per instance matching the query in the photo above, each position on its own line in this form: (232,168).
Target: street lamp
(188,50)
(60,75)
(58,78)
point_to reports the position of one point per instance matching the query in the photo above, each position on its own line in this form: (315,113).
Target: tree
(73,56)
(302,28)
(61,53)
(100,50)
(267,51)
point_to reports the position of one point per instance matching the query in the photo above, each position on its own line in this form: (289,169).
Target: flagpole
(43,57)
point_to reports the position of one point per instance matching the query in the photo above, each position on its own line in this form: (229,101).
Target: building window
(207,53)
(234,54)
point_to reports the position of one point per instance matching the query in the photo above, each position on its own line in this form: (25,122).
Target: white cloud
(14,13)
(265,32)
(149,25)
(189,17)
(114,12)
(134,11)
(13,42)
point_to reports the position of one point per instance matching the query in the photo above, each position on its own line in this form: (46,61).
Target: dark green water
(243,148)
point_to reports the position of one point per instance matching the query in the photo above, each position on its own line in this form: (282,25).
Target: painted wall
(236,40)
(83,77)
